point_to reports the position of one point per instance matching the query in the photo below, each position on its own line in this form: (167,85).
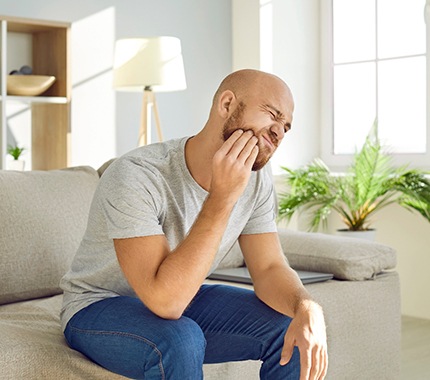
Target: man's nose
(278,131)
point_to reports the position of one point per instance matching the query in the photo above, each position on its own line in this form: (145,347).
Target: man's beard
(235,122)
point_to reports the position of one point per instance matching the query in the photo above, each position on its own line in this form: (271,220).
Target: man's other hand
(307,331)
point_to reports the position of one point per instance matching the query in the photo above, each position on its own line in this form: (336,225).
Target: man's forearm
(183,271)
(282,290)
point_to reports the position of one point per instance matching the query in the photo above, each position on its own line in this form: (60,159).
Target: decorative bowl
(28,85)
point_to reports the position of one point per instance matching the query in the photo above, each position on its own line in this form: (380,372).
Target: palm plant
(369,184)
(15,151)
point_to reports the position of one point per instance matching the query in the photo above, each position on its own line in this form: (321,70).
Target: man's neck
(199,152)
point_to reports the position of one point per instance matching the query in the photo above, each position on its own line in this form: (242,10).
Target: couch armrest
(347,258)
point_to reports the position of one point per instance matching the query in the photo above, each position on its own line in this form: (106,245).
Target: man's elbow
(166,310)
(169,314)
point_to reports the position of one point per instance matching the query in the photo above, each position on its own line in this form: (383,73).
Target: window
(374,66)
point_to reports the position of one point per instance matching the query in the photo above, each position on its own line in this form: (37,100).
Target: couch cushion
(43,216)
(347,258)
(33,346)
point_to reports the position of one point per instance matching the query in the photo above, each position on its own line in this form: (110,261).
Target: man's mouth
(269,142)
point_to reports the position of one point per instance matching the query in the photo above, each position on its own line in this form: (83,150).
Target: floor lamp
(149,65)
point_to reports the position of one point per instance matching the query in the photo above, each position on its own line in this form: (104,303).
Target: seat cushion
(43,216)
(33,347)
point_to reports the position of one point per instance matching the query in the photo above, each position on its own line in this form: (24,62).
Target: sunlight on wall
(296,61)
(246,34)
(93,98)
(266,35)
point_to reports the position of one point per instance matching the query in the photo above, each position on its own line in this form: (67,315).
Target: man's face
(261,122)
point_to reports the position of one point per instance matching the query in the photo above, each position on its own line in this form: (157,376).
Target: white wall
(106,123)
(295,58)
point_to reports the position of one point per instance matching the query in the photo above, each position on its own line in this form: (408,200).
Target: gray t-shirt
(150,191)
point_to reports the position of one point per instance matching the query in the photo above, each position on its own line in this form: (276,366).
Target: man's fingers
(242,146)
(287,350)
(248,150)
(305,364)
(231,141)
(226,147)
(313,364)
(252,157)
(325,364)
(317,363)
(286,355)
(239,145)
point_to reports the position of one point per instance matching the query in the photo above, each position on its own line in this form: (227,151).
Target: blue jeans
(222,324)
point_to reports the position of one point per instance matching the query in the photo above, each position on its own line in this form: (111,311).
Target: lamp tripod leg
(143,131)
(157,119)
(145,120)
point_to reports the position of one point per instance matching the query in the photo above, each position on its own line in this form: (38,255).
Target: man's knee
(187,336)
(184,351)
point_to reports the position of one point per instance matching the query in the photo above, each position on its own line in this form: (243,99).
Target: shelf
(36,99)
(49,54)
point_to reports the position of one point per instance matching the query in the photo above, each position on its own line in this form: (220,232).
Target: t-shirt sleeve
(130,201)
(263,217)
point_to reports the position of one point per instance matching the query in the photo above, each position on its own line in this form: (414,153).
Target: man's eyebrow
(278,114)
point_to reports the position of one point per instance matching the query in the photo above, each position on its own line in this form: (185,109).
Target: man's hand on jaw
(307,331)
(232,164)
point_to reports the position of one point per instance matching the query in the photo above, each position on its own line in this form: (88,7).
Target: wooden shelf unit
(50,112)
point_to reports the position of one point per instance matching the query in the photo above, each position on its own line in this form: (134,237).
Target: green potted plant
(368,185)
(15,151)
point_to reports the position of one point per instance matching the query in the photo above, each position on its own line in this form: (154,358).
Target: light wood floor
(415,349)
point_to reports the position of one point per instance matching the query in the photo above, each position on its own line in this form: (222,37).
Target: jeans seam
(129,335)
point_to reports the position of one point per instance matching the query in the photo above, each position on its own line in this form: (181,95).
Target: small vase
(366,234)
(16,165)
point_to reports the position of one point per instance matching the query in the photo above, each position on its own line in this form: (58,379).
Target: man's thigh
(124,336)
(236,324)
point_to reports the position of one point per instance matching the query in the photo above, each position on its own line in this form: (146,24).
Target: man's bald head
(245,83)
(257,101)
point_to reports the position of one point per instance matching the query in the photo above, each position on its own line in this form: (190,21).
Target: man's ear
(225,102)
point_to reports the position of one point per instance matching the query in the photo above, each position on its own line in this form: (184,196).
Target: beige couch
(42,219)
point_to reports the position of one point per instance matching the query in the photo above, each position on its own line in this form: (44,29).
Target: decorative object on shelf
(149,65)
(28,85)
(368,185)
(16,164)
(24,70)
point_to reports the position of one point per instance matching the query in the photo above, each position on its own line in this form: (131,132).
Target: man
(162,219)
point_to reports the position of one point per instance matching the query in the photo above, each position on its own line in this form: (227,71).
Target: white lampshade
(152,63)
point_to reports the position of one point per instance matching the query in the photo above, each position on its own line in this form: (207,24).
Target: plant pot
(366,234)
(16,165)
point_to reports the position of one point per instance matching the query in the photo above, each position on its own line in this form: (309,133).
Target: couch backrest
(43,216)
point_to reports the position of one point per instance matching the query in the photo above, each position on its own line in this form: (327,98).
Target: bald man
(162,218)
